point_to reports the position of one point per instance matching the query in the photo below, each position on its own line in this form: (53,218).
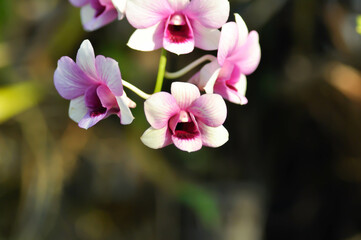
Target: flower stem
(161,71)
(192,65)
(136,90)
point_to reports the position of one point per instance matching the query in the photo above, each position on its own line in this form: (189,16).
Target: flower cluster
(184,117)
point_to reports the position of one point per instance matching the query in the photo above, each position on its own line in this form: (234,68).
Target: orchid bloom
(185,118)
(176,25)
(94,86)
(98,13)
(238,55)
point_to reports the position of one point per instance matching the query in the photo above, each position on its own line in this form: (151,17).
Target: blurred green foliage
(358,24)
(18,97)
(6,8)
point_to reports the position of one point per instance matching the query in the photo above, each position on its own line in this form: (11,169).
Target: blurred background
(290,170)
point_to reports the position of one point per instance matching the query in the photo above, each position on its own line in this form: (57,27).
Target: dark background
(290,170)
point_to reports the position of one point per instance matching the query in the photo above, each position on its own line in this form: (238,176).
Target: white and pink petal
(184,93)
(69,80)
(77,108)
(205,38)
(120,5)
(129,102)
(106,97)
(228,42)
(159,108)
(241,87)
(79,3)
(89,120)
(208,76)
(109,73)
(125,115)
(178,5)
(242,29)
(210,13)
(156,138)
(147,39)
(233,91)
(209,109)
(188,144)
(92,22)
(87,14)
(247,57)
(213,136)
(145,13)
(85,59)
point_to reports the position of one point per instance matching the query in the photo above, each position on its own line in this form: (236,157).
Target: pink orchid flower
(239,54)
(98,13)
(185,118)
(94,86)
(176,25)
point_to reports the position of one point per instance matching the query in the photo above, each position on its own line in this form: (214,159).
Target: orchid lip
(95,105)
(99,12)
(230,86)
(96,108)
(185,128)
(98,112)
(99,8)
(178,30)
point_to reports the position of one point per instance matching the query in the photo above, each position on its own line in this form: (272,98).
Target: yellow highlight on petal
(18,97)
(358,24)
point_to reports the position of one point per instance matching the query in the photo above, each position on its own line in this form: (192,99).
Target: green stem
(161,71)
(136,90)
(188,68)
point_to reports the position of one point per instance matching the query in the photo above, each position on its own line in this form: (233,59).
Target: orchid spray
(184,117)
